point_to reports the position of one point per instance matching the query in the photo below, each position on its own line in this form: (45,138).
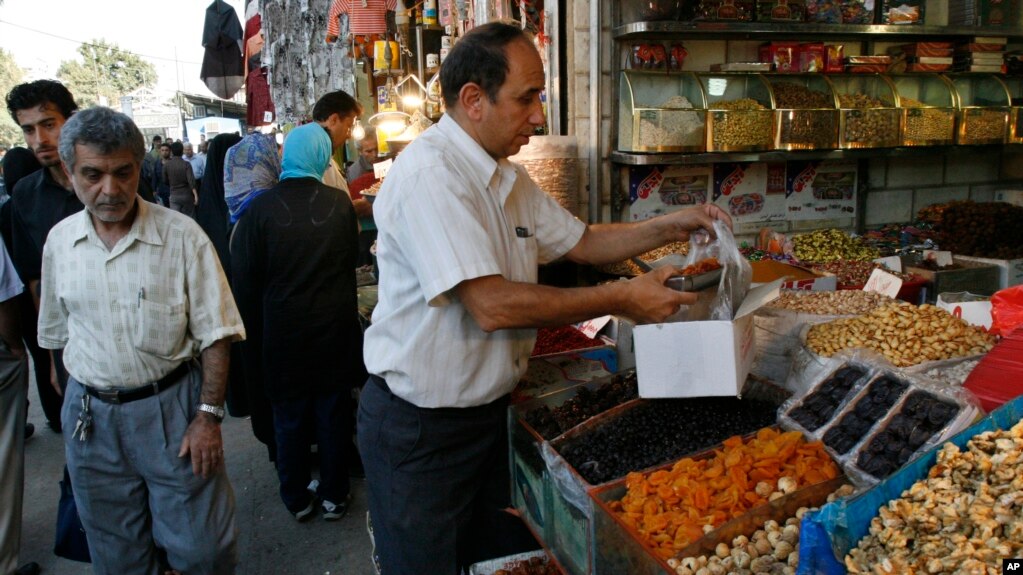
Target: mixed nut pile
(852,273)
(841,302)
(744,123)
(985,125)
(925,123)
(773,549)
(965,517)
(815,125)
(871,122)
(905,334)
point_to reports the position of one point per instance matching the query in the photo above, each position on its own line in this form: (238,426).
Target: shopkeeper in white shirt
(461,233)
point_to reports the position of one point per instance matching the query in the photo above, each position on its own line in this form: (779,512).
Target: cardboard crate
(571,528)
(555,372)
(531,485)
(1010,272)
(973,277)
(620,549)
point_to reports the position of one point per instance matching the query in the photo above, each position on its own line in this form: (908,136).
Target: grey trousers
(13,390)
(135,494)
(186,206)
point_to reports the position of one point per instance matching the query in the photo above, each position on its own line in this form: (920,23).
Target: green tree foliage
(10,75)
(105,70)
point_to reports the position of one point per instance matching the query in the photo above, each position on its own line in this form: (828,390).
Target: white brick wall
(971,167)
(928,196)
(889,206)
(914,172)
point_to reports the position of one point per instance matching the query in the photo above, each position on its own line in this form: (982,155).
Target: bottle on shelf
(430,13)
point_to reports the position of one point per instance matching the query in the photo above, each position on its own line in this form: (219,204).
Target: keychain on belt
(84,420)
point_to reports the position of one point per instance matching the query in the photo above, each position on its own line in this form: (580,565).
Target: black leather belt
(120,395)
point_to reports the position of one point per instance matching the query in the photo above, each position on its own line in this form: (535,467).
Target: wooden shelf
(640,159)
(800,30)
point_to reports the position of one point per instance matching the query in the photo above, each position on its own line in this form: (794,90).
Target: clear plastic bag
(736,275)
(838,381)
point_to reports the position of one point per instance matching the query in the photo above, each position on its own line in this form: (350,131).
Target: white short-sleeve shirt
(10,283)
(448,212)
(128,316)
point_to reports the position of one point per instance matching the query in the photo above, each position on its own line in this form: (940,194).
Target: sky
(43,33)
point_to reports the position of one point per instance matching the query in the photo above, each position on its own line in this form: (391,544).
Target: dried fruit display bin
(830,532)
(621,549)
(740,112)
(806,112)
(530,484)
(1015,86)
(984,105)
(868,111)
(928,109)
(963,275)
(661,112)
(570,521)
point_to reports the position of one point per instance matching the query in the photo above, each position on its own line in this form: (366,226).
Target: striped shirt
(128,316)
(449,212)
(364,16)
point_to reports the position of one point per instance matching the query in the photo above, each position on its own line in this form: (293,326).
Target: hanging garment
(260,109)
(223,70)
(364,17)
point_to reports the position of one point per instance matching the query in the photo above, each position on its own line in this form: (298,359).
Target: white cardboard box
(699,358)
(1011,271)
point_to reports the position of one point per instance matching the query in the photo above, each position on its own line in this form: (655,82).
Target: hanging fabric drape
(223,69)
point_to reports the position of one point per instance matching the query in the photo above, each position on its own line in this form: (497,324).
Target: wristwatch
(217,411)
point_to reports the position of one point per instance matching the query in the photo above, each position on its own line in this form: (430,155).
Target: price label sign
(941,258)
(883,283)
(592,327)
(380,169)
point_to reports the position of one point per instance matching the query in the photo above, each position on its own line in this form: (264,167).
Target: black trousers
(438,483)
(321,417)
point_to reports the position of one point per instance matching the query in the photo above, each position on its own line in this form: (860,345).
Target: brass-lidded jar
(740,112)
(868,111)
(661,112)
(1015,86)
(806,112)
(927,102)
(983,103)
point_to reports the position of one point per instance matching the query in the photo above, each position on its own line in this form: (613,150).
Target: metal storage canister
(806,112)
(983,103)
(928,109)
(868,111)
(740,112)
(661,112)
(1015,85)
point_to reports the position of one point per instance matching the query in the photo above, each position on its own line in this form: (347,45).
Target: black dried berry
(941,413)
(659,431)
(586,403)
